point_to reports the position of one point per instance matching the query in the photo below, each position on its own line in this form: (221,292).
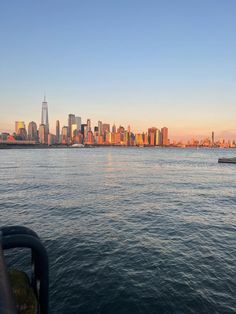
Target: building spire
(44,99)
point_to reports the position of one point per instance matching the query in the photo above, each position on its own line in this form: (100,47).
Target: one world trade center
(44,116)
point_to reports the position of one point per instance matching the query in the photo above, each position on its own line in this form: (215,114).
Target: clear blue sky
(147,63)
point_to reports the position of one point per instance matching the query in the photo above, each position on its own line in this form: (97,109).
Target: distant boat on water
(77,146)
(227,160)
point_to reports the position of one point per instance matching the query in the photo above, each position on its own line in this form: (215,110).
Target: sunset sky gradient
(143,63)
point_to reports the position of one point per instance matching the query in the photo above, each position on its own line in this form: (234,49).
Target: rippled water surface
(128,230)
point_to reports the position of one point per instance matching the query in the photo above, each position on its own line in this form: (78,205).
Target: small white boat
(227,160)
(77,146)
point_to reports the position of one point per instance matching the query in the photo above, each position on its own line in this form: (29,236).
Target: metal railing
(22,237)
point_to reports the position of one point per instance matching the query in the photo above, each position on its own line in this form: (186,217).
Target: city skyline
(83,131)
(182,131)
(167,63)
(229,134)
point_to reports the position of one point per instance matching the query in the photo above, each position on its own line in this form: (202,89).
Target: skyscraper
(105,128)
(32,131)
(44,116)
(114,128)
(89,125)
(164,133)
(152,136)
(158,137)
(19,125)
(22,134)
(100,127)
(43,136)
(57,131)
(83,129)
(64,135)
(71,120)
(73,130)
(78,122)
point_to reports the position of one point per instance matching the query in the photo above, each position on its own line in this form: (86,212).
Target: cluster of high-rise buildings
(76,132)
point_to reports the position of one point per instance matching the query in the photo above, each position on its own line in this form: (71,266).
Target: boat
(227,160)
(77,146)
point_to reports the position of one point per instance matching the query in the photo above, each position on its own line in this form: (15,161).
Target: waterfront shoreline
(40,146)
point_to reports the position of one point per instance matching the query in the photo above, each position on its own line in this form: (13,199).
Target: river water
(128,230)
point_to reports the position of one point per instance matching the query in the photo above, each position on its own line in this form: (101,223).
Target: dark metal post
(7,304)
(16,236)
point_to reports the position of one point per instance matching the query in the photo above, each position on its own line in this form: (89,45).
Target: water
(128,230)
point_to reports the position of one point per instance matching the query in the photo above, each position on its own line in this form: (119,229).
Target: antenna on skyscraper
(44,99)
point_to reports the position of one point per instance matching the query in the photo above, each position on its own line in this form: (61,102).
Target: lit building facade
(51,139)
(90,138)
(73,129)
(22,134)
(71,120)
(100,140)
(58,136)
(113,128)
(89,127)
(64,135)
(32,131)
(44,116)
(108,138)
(105,128)
(164,133)
(42,134)
(212,138)
(100,127)
(78,123)
(152,136)
(158,138)
(145,139)
(19,125)
(139,139)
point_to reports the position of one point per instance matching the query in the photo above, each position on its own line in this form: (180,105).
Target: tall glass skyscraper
(100,127)
(71,120)
(44,116)
(58,132)
(78,122)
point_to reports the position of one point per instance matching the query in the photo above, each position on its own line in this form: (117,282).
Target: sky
(144,63)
